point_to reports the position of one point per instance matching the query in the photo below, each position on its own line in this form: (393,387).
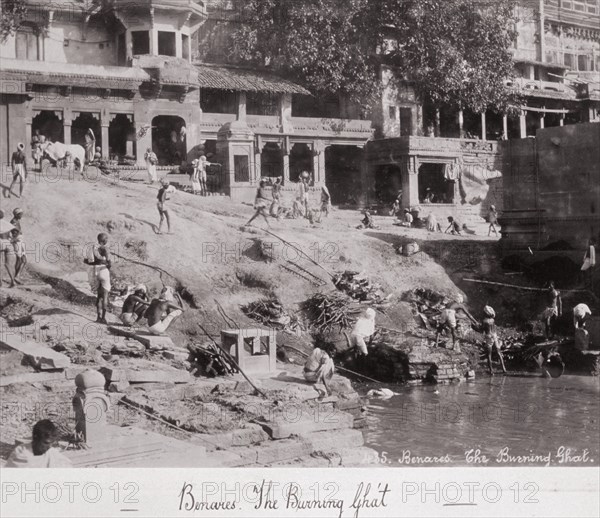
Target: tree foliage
(455,52)
(11,16)
(322,44)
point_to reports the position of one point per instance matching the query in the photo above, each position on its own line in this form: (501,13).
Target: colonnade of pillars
(67,122)
(522,122)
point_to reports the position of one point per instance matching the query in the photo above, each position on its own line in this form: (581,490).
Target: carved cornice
(582,33)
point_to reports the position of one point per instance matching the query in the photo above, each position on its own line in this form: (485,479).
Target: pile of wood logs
(271,313)
(328,311)
(357,286)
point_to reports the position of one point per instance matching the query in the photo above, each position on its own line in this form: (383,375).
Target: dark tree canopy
(455,52)
(322,44)
(12,13)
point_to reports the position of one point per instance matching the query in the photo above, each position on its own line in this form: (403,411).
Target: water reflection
(528,415)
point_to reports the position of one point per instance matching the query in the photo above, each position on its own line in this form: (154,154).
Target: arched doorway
(434,186)
(342,173)
(301,159)
(271,161)
(121,137)
(83,122)
(49,124)
(388,184)
(169,139)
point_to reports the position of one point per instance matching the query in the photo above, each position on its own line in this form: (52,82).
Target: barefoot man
(491,337)
(19,169)
(447,320)
(163,210)
(319,368)
(162,312)
(100,261)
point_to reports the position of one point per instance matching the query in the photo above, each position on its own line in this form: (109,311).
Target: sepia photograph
(319,239)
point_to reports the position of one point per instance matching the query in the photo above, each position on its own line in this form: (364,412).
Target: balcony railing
(303,126)
(537,84)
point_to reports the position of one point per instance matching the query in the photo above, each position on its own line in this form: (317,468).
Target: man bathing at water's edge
(319,367)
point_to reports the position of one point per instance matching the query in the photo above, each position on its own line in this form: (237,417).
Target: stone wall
(552,189)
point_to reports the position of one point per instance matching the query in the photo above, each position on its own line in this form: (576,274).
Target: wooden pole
(299,251)
(337,366)
(504,285)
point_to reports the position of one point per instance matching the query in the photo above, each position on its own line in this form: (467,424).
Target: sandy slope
(209,252)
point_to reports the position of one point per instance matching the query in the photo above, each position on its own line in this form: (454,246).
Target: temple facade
(118,68)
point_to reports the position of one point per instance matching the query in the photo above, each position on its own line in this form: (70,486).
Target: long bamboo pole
(232,360)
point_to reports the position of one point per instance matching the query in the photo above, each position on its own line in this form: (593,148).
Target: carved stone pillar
(523,124)
(241,111)
(318,148)
(67,130)
(235,149)
(27,142)
(105,126)
(285,113)
(257,166)
(153,42)
(483,127)
(410,182)
(91,406)
(286,166)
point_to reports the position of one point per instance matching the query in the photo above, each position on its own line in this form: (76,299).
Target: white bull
(57,150)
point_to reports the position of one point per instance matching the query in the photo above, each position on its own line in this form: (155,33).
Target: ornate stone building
(154,74)
(119,68)
(418,151)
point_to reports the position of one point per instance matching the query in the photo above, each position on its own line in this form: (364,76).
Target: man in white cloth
(151,161)
(202,165)
(363,330)
(39,453)
(580,313)
(319,368)
(90,146)
(448,322)
(18,164)
(99,275)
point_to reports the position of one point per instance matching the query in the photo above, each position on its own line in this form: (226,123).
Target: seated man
(367,222)
(163,305)
(39,453)
(319,368)
(135,306)
(407,220)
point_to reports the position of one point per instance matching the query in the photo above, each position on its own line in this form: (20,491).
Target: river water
(499,421)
